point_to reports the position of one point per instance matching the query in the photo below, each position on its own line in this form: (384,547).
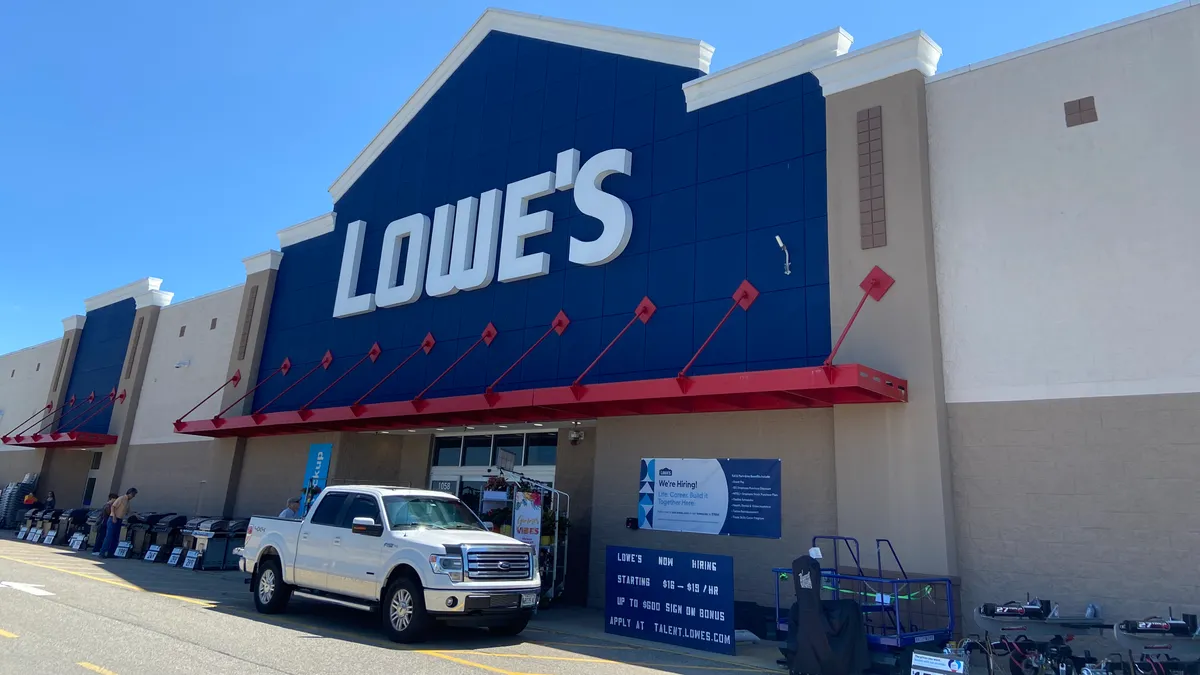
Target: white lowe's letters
(459,251)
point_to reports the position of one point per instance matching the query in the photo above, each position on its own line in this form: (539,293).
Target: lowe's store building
(951,310)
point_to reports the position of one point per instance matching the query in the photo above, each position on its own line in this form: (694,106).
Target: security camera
(575,436)
(183,364)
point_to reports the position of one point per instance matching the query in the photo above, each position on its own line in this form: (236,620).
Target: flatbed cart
(901,613)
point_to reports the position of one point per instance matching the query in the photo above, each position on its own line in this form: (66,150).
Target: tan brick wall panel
(1080,500)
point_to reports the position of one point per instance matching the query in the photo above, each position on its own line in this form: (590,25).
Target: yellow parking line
(464,662)
(580,659)
(6,634)
(95,668)
(93,577)
(557,644)
(113,582)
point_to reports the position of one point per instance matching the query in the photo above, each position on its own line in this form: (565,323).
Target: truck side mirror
(367,526)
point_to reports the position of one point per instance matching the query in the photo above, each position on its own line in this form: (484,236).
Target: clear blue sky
(172,139)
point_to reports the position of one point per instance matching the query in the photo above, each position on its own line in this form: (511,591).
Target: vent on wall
(182,330)
(1081,111)
(244,342)
(213,325)
(872,216)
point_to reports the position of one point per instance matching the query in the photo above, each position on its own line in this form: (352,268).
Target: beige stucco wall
(1080,500)
(65,472)
(803,439)
(171,476)
(381,459)
(272,471)
(14,464)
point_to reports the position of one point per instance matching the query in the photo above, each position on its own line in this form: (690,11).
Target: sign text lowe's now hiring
(458,253)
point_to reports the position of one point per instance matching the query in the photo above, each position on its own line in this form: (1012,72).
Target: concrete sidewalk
(589,623)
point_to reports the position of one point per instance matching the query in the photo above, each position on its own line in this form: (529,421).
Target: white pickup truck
(414,556)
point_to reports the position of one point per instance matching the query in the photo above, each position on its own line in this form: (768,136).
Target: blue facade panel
(709,191)
(98,363)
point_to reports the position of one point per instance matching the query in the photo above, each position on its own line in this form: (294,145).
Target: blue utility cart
(901,613)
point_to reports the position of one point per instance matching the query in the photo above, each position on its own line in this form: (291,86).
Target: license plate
(529,599)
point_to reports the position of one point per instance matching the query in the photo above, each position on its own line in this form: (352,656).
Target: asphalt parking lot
(64,612)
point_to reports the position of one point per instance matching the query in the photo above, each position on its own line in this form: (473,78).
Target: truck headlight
(450,565)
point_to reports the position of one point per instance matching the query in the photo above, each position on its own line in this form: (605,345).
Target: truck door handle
(304,537)
(337,541)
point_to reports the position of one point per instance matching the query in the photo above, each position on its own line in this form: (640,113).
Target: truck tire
(513,627)
(403,610)
(271,594)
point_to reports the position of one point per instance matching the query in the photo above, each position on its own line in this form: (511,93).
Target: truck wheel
(513,627)
(404,617)
(271,594)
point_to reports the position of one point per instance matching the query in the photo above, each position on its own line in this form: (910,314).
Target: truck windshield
(429,512)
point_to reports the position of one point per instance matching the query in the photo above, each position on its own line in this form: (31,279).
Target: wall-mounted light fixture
(787,257)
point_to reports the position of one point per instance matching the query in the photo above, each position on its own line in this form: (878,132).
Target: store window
(543,449)
(447,451)
(477,451)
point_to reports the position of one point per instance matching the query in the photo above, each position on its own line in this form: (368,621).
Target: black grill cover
(824,637)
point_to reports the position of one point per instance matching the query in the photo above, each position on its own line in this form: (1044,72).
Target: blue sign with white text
(683,599)
(316,472)
(739,497)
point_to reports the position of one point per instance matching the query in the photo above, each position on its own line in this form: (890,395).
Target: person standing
(117,515)
(293,509)
(50,500)
(102,524)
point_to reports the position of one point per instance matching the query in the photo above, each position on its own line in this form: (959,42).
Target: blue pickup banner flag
(682,599)
(738,497)
(316,472)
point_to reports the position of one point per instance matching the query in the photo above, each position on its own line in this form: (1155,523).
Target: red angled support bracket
(559,325)
(323,364)
(62,422)
(489,334)
(743,297)
(643,312)
(49,420)
(875,285)
(49,408)
(373,354)
(237,377)
(107,400)
(357,408)
(218,419)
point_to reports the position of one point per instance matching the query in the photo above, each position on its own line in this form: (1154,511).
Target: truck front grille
(499,564)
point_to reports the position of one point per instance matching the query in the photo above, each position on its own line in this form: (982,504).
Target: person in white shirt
(292,510)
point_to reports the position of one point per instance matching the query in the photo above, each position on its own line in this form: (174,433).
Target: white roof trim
(912,51)
(267,260)
(1120,23)
(650,46)
(74,322)
(123,293)
(153,298)
(782,64)
(309,229)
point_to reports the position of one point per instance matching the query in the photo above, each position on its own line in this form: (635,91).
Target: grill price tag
(33,535)
(76,542)
(123,549)
(22,532)
(49,538)
(175,553)
(190,562)
(152,553)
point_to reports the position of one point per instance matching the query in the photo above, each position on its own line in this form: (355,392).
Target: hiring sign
(682,599)
(739,497)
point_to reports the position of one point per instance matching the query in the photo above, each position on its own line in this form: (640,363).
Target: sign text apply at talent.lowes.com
(458,250)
